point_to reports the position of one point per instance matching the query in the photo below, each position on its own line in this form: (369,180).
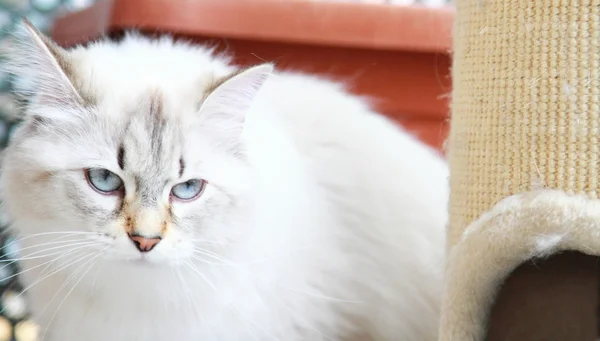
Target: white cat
(164,194)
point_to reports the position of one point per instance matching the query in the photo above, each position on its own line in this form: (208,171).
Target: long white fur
(321,221)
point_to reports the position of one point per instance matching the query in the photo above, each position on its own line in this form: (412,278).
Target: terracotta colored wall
(398,56)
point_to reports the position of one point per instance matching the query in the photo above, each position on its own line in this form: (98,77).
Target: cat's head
(136,147)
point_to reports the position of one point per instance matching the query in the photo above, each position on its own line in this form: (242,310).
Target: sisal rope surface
(526,102)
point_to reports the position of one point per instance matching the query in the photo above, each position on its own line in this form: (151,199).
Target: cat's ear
(42,68)
(224,109)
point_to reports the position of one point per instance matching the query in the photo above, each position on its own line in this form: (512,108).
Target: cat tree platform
(524,156)
(396,55)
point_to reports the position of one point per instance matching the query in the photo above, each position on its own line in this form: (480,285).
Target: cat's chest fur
(244,307)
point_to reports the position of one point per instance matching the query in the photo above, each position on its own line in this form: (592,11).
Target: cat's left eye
(188,190)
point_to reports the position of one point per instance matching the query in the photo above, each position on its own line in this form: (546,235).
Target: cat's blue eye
(103,180)
(188,190)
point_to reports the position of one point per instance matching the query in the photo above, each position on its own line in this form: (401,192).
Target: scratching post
(524,156)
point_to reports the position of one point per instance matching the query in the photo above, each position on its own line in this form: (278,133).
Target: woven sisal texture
(526,102)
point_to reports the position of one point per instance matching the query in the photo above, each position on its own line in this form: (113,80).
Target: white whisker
(62,255)
(23,237)
(190,266)
(216,242)
(52,273)
(29,257)
(209,262)
(36,266)
(64,234)
(69,278)
(212,286)
(188,293)
(96,276)
(49,249)
(212,255)
(98,254)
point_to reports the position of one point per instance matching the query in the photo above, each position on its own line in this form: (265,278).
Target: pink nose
(144,244)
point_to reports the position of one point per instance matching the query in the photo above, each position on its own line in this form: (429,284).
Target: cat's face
(147,177)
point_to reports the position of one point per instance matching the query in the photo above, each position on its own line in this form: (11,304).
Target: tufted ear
(224,109)
(42,69)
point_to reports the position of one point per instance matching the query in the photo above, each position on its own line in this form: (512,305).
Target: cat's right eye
(103,180)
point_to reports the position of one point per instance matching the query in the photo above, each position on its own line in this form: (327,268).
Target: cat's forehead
(150,138)
(124,71)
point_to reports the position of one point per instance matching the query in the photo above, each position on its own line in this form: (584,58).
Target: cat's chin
(145,262)
(140,261)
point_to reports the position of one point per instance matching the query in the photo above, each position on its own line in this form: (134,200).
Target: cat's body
(320,220)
